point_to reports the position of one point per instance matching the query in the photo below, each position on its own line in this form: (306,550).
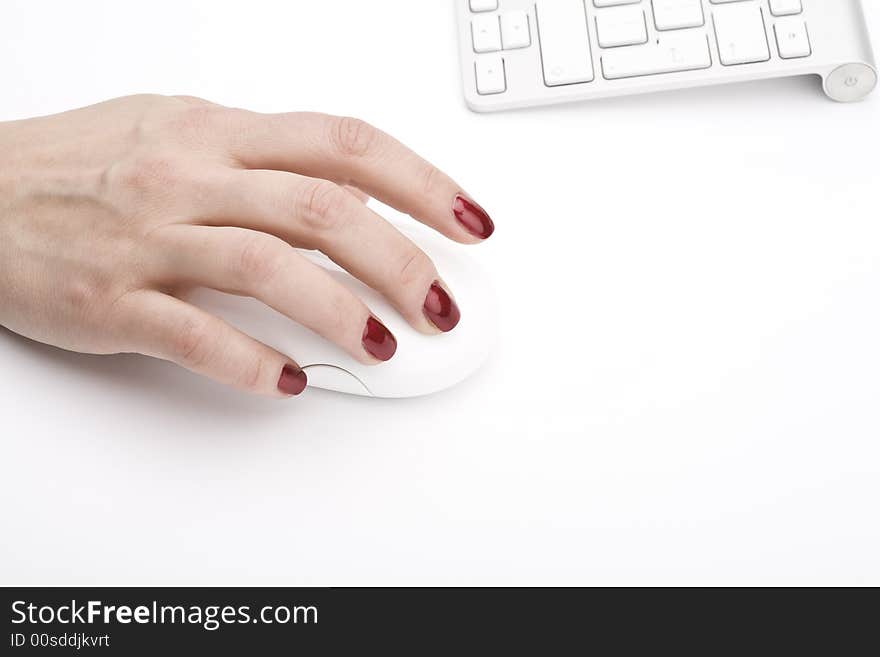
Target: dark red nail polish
(441,309)
(293,380)
(474,218)
(378,340)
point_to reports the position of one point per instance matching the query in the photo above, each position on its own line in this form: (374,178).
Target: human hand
(110,213)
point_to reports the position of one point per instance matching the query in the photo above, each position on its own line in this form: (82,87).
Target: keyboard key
(486,31)
(785,7)
(678,14)
(671,53)
(491,76)
(792,38)
(515,30)
(483,5)
(742,38)
(621,26)
(614,3)
(565,43)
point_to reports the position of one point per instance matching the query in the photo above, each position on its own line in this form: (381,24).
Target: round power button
(850,82)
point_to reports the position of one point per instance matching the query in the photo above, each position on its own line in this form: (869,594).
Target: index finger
(351,152)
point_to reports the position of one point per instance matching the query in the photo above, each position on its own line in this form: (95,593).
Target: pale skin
(110,214)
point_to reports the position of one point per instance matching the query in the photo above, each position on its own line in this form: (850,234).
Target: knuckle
(198,118)
(201,127)
(94,293)
(431,180)
(192,344)
(259,261)
(80,295)
(353,137)
(341,310)
(322,207)
(250,377)
(146,173)
(414,267)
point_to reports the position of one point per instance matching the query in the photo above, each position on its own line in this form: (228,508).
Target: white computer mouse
(423,364)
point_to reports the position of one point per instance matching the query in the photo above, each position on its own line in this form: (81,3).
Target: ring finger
(261,266)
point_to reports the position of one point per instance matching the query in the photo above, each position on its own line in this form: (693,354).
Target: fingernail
(441,309)
(474,218)
(293,380)
(378,340)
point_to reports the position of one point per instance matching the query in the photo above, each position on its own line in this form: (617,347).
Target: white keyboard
(521,53)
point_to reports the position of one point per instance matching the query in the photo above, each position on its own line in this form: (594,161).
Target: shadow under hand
(164,384)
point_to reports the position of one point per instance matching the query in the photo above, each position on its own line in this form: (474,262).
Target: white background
(686,391)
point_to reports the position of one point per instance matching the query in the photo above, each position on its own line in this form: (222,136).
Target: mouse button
(330,377)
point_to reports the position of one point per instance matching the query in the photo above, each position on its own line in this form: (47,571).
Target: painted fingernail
(474,218)
(441,309)
(293,380)
(378,341)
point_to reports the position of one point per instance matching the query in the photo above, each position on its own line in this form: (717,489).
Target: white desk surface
(687,387)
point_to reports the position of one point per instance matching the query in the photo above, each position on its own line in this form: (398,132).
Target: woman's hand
(109,213)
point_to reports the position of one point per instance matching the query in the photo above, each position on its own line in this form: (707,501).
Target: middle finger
(318,214)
